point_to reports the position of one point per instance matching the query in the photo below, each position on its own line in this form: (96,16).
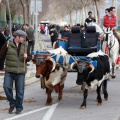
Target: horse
(112,48)
(110,42)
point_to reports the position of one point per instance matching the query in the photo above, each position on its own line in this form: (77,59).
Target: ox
(90,75)
(52,74)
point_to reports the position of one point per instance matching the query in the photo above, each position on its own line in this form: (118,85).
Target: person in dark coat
(7,32)
(14,29)
(30,38)
(53,34)
(2,41)
(65,33)
(90,18)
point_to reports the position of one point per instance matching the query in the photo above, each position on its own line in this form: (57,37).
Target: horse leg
(105,90)
(60,92)
(49,97)
(85,94)
(99,95)
(113,70)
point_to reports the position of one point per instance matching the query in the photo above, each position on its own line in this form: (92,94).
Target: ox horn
(72,65)
(53,61)
(92,67)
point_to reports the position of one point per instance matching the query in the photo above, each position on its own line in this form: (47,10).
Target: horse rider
(110,20)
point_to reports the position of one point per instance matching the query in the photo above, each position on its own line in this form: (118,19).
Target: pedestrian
(30,38)
(46,29)
(7,32)
(38,28)
(53,34)
(90,18)
(65,33)
(15,53)
(14,29)
(42,29)
(2,41)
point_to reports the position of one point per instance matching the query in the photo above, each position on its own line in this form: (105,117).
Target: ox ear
(33,58)
(34,61)
(49,65)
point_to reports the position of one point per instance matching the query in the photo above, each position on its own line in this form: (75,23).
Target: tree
(24,10)
(7,2)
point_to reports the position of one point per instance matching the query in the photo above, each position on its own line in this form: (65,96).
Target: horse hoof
(82,107)
(99,104)
(106,99)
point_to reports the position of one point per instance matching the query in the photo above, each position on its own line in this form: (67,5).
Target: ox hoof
(113,76)
(60,98)
(99,104)
(106,99)
(49,103)
(82,107)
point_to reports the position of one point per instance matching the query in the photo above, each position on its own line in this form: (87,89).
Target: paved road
(68,108)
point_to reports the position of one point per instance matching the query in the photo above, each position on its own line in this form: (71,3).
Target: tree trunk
(97,10)
(24,10)
(28,11)
(86,12)
(7,2)
(80,16)
(70,17)
(83,15)
(76,17)
(113,3)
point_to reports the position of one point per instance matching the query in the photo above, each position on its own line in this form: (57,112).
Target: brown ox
(51,75)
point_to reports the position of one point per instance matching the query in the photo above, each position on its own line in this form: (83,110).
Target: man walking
(15,52)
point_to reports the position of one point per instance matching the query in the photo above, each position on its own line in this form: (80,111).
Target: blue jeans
(19,80)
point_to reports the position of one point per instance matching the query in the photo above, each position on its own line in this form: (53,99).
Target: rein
(110,45)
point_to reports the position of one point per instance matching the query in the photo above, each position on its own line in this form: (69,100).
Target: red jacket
(109,23)
(42,27)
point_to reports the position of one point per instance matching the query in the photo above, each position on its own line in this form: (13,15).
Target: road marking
(117,117)
(24,114)
(50,112)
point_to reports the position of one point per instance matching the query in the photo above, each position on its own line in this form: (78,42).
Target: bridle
(106,39)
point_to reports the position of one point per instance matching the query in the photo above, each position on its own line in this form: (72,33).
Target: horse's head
(108,35)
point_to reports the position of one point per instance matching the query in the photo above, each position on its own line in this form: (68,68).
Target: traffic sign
(38,6)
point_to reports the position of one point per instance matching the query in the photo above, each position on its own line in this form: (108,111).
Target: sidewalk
(31,70)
